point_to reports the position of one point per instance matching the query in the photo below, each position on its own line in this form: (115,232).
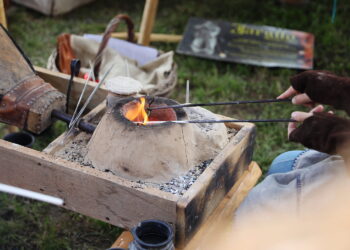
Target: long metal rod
(90,74)
(30,194)
(186,105)
(76,118)
(219,121)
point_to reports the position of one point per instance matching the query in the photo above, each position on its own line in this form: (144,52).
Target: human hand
(321,131)
(298,98)
(323,87)
(301,117)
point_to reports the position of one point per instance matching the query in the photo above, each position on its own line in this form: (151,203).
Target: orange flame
(137,112)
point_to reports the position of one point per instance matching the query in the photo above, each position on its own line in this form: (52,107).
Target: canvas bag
(157,77)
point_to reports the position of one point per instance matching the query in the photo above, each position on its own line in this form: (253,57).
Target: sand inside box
(76,149)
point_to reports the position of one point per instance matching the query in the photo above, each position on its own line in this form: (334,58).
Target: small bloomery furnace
(128,143)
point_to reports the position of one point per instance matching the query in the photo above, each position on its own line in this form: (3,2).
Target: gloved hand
(323,132)
(322,87)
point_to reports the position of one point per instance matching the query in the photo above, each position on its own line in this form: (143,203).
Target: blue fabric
(284,162)
(291,191)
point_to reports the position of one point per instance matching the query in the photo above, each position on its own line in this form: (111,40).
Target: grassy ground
(26,224)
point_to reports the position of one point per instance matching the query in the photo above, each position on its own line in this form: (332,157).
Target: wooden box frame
(113,199)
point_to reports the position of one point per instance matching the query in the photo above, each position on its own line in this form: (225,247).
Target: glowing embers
(136,111)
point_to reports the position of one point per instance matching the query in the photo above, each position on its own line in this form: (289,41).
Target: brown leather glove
(323,132)
(324,87)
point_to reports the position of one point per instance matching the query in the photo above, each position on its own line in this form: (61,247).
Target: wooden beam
(222,217)
(154,37)
(3,14)
(60,82)
(148,17)
(85,190)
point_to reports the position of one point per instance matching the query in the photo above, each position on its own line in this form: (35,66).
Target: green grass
(26,224)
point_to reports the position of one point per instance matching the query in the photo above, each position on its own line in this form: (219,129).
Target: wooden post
(168,38)
(149,14)
(2,14)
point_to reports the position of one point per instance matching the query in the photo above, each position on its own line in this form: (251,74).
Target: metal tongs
(186,105)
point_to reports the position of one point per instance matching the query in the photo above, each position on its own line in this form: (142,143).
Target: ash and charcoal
(76,150)
(179,185)
(182,183)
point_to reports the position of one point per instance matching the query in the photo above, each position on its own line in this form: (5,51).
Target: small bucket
(152,234)
(20,138)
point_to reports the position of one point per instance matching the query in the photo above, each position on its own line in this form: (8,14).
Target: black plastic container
(22,138)
(152,234)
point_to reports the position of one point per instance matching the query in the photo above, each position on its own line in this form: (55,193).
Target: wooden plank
(149,14)
(85,190)
(3,20)
(223,214)
(123,240)
(168,38)
(215,182)
(60,81)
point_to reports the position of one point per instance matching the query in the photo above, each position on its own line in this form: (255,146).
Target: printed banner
(251,44)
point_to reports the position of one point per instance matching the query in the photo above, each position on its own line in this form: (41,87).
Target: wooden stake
(149,14)
(2,14)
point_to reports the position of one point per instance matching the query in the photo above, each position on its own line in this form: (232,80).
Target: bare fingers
(301,116)
(288,93)
(298,98)
(303,99)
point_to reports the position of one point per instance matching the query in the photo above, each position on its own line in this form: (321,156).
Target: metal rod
(187,91)
(30,194)
(84,126)
(219,121)
(74,71)
(219,103)
(76,118)
(90,74)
